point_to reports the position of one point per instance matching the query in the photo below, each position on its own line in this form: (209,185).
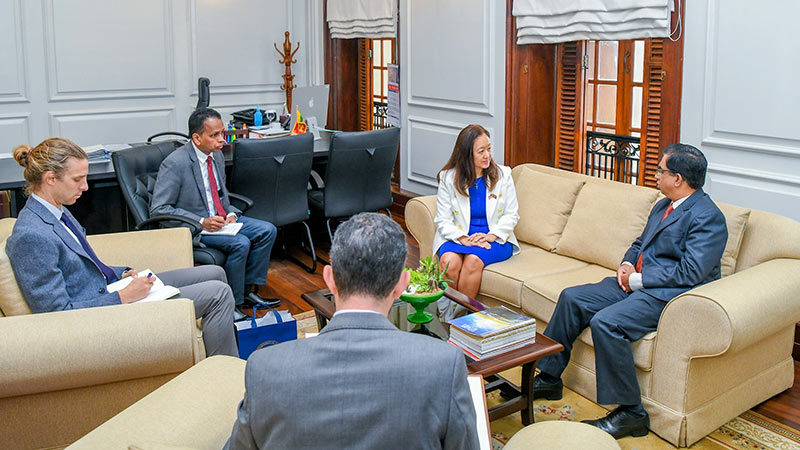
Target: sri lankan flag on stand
(299,126)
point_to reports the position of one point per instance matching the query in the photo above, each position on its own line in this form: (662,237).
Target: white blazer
(453,213)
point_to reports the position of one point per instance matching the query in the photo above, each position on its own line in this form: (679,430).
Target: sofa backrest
(12,303)
(607,216)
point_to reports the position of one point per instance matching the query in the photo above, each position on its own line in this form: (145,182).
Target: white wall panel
(13,131)
(111,126)
(452,60)
(104,72)
(115,49)
(452,73)
(433,142)
(235,51)
(740,98)
(12,68)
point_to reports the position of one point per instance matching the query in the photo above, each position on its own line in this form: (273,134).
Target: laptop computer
(313,104)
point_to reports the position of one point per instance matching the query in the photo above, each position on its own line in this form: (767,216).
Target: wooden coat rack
(287,59)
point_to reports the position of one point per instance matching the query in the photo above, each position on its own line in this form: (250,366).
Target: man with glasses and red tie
(191,183)
(680,248)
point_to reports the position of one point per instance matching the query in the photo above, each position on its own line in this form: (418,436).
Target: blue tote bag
(258,336)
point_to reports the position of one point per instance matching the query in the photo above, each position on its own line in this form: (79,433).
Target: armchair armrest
(87,347)
(159,250)
(245,202)
(724,317)
(194,227)
(420,212)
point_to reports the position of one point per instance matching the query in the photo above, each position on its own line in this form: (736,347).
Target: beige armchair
(67,372)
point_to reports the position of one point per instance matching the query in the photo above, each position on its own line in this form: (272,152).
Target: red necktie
(639,261)
(212,182)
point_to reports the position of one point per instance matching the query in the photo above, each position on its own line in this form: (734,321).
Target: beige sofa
(719,350)
(65,373)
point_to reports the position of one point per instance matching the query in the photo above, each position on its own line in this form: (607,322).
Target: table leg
(527,392)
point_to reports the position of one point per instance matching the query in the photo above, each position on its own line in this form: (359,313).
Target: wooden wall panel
(530,100)
(341,73)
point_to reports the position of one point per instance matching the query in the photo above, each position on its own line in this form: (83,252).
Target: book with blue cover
(489,322)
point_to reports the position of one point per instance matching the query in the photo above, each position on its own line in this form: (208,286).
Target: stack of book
(492,332)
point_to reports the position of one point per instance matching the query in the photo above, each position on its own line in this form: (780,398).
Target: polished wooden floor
(289,281)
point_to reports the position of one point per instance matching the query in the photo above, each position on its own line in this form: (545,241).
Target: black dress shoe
(547,390)
(238,315)
(254,299)
(622,422)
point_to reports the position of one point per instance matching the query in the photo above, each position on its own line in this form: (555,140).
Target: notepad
(481,412)
(230,229)
(159,291)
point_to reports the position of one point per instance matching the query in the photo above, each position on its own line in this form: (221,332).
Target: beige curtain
(372,19)
(553,21)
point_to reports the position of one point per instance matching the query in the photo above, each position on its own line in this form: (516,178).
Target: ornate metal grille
(379,112)
(612,156)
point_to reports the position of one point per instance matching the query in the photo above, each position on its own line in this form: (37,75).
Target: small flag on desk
(300,126)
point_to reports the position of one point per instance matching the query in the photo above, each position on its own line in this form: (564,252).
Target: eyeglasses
(661,171)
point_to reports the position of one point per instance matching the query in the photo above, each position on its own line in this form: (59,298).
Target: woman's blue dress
(478,224)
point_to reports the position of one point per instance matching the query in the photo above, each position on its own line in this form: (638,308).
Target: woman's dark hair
(689,162)
(198,119)
(464,163)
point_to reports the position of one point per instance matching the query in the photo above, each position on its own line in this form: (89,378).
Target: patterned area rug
(748,431)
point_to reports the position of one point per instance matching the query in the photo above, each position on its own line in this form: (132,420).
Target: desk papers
(230,229)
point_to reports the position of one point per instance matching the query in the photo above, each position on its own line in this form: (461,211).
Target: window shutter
(569,106)
(651,110)
(364,85)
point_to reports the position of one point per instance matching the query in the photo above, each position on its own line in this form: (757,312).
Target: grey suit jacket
(360,384)
(52,270)
(179,186)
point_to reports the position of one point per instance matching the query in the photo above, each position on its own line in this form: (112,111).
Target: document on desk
(230,229)
(481,411)
(159,291)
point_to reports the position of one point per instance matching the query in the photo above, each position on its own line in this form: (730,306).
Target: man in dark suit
(362,383)
(191,183)
(680,248)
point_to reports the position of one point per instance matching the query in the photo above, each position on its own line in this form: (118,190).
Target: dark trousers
(248,254)
(616,319)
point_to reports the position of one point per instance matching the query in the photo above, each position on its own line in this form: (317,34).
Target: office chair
(136,169)
(203,99)
(358,175)
(203,93)
(274,173)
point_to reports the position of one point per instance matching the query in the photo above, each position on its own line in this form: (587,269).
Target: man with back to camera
(191,183)
(361,383)
(679,249)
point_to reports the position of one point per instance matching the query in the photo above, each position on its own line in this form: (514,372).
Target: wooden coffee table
(518,398)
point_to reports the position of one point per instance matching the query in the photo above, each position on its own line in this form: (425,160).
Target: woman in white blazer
(476,211)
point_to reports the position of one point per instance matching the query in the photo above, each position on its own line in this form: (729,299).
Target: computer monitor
(313,102)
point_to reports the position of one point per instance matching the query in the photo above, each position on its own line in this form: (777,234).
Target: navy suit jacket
(684,250)
(52,269)
(179,188)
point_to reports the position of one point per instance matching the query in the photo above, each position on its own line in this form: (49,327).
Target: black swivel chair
(136,169)
(358,175)
(274,173)
(203,99)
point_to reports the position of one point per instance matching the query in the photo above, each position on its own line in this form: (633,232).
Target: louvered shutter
(364,84)
(569,106)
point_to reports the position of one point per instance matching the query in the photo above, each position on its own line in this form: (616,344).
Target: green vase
(420,302)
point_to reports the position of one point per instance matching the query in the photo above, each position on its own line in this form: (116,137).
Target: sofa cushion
(540,293)
(736,220)
(606,219)
(547,201)
(503,280)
